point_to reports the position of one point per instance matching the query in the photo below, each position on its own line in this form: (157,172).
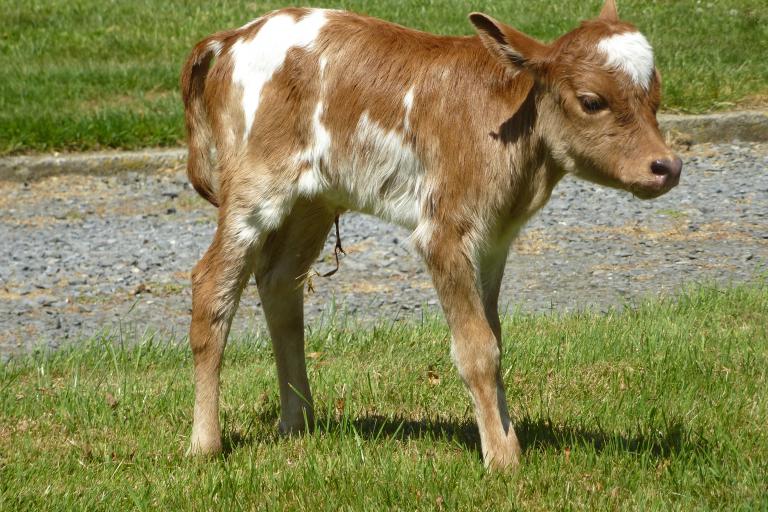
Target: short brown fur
(475,132)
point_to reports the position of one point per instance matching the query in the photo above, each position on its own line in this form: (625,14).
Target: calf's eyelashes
(592,103)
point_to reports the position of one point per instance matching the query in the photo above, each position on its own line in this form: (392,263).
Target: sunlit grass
(662,408)
(85,74)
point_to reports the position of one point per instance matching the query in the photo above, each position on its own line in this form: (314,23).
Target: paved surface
(88,254)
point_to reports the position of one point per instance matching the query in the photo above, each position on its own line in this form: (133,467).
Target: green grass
(662,408)
(86,74)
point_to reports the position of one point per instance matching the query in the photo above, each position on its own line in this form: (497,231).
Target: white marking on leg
(256,60)
(246,230)
(271,214)
(422,235)
(266,216)
(631,53)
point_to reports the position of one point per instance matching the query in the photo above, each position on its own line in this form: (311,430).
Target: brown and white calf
(459,139)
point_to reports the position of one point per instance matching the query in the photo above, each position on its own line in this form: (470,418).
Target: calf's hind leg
(217,282)
(280,271)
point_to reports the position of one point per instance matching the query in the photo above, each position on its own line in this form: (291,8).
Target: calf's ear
(511,46)
(609,12)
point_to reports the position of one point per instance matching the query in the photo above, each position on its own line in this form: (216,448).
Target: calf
(459,139)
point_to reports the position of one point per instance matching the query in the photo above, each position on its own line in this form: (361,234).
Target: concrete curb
(24,168)
(749,126)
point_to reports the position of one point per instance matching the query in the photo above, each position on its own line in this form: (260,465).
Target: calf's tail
(200,165)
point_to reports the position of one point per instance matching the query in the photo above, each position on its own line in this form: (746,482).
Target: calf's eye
(592,104)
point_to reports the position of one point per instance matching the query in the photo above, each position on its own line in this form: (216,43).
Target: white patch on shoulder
(256,60)
(631,53)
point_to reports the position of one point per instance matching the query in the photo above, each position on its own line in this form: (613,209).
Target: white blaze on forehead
(631,53)
(257,59)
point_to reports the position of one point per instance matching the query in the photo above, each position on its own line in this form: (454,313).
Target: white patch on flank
(382,175)
(256,60)
(408,104)
(631,53)
(311,182)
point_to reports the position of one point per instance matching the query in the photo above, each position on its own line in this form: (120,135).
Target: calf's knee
(478,359)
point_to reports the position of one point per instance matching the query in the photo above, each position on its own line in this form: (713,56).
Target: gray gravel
(89,254)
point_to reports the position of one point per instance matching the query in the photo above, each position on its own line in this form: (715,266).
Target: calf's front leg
(476,352)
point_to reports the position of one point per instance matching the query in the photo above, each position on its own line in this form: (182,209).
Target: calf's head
(597,95)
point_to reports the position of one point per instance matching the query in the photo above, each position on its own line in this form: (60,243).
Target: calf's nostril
(668,168)
(661,167)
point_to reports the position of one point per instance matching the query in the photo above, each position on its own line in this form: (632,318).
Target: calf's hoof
(204,446)
(296,426)
(501,463)
(504,458)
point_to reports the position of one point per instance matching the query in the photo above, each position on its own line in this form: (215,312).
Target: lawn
(660,408)
(87,74)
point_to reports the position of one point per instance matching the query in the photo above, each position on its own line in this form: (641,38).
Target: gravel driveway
(86,254)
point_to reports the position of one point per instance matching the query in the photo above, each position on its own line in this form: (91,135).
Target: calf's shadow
(534,434)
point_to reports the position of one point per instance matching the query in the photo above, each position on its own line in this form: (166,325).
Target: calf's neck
(303,114)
